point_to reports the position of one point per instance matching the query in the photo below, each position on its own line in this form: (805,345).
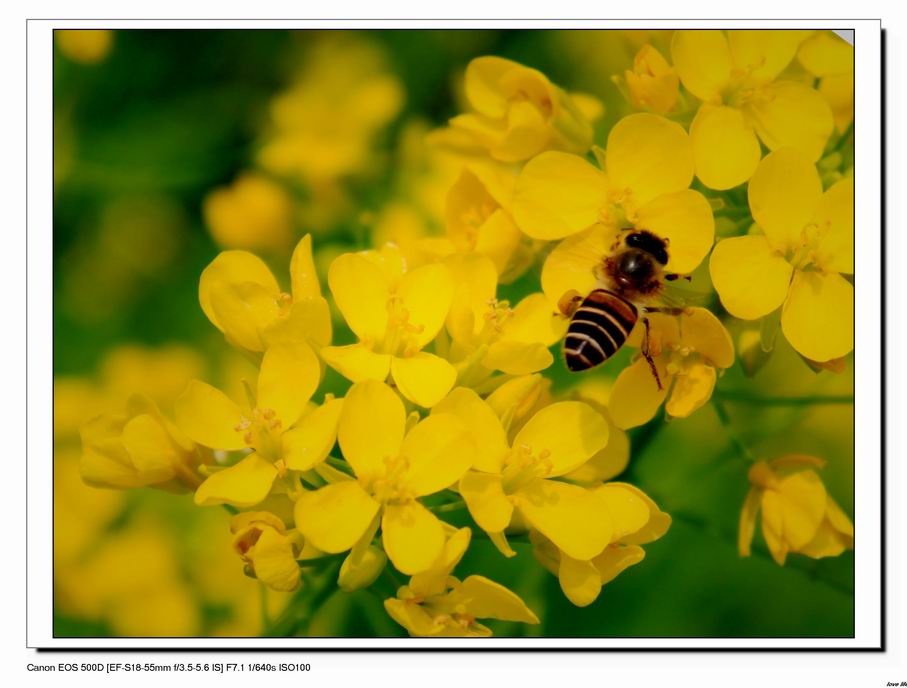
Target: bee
(632,275)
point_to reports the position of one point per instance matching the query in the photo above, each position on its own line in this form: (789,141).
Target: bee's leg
(666,311)
(671,276)
(569,302)
(648,356)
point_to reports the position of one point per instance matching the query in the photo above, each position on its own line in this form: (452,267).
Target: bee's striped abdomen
(599,327)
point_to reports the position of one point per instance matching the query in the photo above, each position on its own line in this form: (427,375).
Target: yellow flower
(648,169)
(276,427)
(798,515)
(479,220)
(394,314)
(393,468)
(88,46)
(268,550)
(688,352)
(325,125)
(735,75)
(253,213)
(798,261)
(652,84)
(436,604)
(520,113)
(636,521)
(611,461)
(487,334)
(829,58)
(242,299)
(139,448)
(518,479)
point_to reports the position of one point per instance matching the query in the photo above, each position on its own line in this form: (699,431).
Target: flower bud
(360,572)
(137,449)
(652,84)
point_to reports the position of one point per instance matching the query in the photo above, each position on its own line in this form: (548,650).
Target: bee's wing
(679,295)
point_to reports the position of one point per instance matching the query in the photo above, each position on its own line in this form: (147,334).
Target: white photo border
(869,487)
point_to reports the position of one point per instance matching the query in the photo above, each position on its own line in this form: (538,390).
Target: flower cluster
(413,412)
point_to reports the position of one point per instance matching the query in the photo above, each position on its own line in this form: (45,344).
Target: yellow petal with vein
(567,434)
(371,427)
(209,417)
(334,517)
(413,537)
(818,317)
(573,518)
(558,194)
(751,278)
(243,485)
(424,378)
(289,376)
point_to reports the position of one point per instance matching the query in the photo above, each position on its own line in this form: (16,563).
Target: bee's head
(636,268)
(645,241)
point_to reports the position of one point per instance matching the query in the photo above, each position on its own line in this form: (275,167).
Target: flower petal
(568,433)
(658,524)
(751,278)
(572,263)
(802,507)
(424,378)
(476,283)
(773,526)
(485,599)
(835,220)
(702,59)
(289,375)
(244,311)
(488,505)
(483,425)
(792,114)
(747,527)
(635,397)
(233,267)
(763,54)
(303,277)
(243,485)
(784,195)
(360,290)
(413,537)
(573,518)
(482,83)
(579,580)
(614,560)
(310,442)
(334,517)
(558,194)
(692,388)
(274,562)
(685,219)
(517,358)
(826,53)
(439,450)
(149,446)
(629,511)
(533,320)
(426,293)
(357,362)
(818,317)
(725,147)
(371,427)
(607,463)
(649,156)
(209,417)
(703,332)
(309,320)
(434,581)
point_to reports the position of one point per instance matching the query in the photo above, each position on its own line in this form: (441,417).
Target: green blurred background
(143,134)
